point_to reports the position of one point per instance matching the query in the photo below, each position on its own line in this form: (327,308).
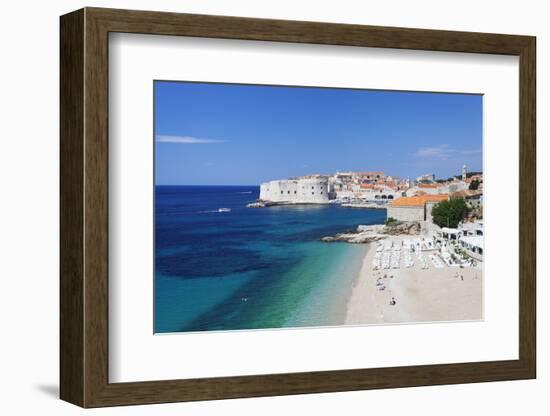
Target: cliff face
(407,228)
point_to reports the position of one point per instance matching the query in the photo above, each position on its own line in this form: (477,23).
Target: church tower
(463,172)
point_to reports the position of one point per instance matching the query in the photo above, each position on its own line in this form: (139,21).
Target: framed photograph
(255,207)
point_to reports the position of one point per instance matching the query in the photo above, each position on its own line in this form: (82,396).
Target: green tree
(449,213)
(391,222)
(474,185)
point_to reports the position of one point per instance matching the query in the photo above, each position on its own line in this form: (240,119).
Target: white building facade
(406,213)
(297,191)
(469,236)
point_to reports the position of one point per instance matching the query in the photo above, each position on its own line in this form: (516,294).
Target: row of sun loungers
(419,257)
(395,257)
(388,256)
(383,261)
(447,258)
(438,264)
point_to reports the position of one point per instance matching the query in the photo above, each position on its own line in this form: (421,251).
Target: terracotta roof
(461,194)
(417,201)
(408,201)
(465,193)
(435,198)
(428,185)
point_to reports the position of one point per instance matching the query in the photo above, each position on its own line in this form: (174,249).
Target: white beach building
(450,233)
(468,235)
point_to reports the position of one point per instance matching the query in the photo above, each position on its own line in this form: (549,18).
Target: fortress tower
(297,191)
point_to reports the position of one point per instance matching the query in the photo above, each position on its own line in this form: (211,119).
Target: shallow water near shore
(245,268)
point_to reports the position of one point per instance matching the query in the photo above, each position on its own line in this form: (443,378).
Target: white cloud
(443,152)
(185,140)
(470,152)
(438,152)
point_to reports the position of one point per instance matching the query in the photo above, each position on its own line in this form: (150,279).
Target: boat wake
(215,211)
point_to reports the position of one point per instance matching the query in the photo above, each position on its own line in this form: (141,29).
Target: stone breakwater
(368,233)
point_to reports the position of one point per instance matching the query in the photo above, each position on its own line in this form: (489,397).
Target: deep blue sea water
(250,268)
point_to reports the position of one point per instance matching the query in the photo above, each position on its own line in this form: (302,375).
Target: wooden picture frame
(84,207)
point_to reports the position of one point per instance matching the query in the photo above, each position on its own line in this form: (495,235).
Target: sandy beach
(420,295)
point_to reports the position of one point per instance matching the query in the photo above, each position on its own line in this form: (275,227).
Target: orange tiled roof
(465,193)
(460,194)
(408,201)
(428,185)
(435,198)
(417,201)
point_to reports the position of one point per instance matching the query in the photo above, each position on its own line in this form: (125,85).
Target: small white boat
(224,209)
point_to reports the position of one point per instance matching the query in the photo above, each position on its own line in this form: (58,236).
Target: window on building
(321,192)
(294,191)
(281,192)
(288,191)
(313,193)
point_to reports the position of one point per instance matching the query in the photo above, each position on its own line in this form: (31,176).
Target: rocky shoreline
(365,234)
(265,204)
(363,206)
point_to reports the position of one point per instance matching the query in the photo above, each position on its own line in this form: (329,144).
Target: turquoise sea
(250,268)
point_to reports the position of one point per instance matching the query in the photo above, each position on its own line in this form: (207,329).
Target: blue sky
(228,134)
